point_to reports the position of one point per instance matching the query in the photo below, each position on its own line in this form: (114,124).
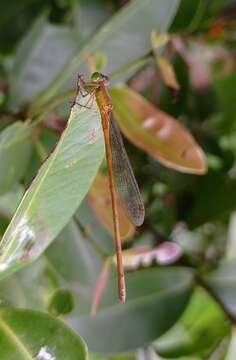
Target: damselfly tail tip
(122,296)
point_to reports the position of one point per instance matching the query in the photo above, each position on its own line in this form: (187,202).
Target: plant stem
(136,64)
(52,103)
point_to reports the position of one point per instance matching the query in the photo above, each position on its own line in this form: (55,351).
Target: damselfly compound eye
(96,76)
(104,79)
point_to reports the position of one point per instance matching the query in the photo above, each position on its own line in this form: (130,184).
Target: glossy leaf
(56,192)
(27,335)
(198,331)
(231,241)
(94,229)
(156,132)
(74,258)
(90,15)
(222,281)
(10,201)
(15,153)
(204,193)
(39,58)
(100,201)
(29,287)
(185,15)
(125,33)
(76,265)
(232,346)
(155,299)
(129,356)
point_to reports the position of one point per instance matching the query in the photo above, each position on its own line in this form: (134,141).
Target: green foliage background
(55,246)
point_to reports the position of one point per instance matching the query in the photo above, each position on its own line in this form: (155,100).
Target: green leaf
(28,335)
(127,32)
(199,330)
(185,15)
(204,192)
(29,288)
(155,300)
(10,201)
(222,282)
(94,229)
(232,346)
(39,58)
(21,13)
(15,153)
(89,15)
(56,192)
(129,356)
(74,258)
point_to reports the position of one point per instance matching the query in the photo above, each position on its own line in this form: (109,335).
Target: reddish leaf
(100,201)
(156,132)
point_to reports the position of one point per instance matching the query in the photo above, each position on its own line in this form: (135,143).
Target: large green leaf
(15,153)
(199,330)
(39,58)
(204,192)
(232,347)
(28,335)
(10,201)
(155,299)
(127,33)
(89,15)
(222,282)
(69,264)
(94,229)
(29,288)
(185,15)
(74,258)
(56,192)
(21,13)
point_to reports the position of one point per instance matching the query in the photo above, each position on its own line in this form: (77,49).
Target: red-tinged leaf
(156,132)
(101,284)
(100,201)
(167,73)
(164,254)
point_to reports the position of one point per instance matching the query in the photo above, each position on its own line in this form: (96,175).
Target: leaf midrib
(19,344)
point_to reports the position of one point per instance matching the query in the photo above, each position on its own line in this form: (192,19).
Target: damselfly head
(100,78)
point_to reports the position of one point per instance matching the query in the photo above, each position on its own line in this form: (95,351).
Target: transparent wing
(125,182)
